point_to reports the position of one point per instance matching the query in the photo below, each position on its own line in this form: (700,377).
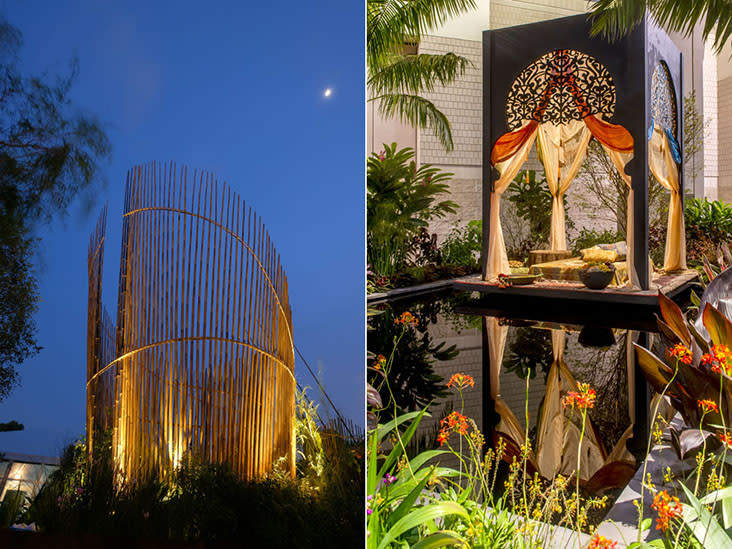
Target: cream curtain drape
(496,336)
(563,147)
(619,160)
(665,170)
(497,260)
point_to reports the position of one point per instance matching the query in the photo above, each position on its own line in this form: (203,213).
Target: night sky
(236,88)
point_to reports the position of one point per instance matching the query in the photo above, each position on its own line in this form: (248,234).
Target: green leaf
(694,298)
(442,538)
(386,428)
(398,449)
(408,502)
(702,524)
(422,515)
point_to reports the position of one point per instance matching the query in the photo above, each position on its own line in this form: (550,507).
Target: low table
(545,256)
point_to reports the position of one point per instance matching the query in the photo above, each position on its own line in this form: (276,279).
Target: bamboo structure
(203,360)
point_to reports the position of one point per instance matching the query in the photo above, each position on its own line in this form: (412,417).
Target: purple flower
(79,491)
(388,479)
(382,155)
(369,511)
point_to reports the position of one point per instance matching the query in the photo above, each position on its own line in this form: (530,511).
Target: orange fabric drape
(619,146)
(510,142)
(613,136)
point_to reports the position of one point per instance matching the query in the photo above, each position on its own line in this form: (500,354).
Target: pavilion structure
(200,363)
(553,86)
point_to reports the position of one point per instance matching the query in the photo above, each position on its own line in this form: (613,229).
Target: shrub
(322,507)
(463,246)
(400,200)
(533,203)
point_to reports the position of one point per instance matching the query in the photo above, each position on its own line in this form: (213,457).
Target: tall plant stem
(648,449)
(577,492)
(525,453)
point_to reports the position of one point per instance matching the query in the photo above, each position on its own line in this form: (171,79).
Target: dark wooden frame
(630,61)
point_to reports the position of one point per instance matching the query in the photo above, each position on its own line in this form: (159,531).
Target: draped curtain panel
(563,149)
(496,335)
(618,144)
(508,155)
(561,146)
(665,170)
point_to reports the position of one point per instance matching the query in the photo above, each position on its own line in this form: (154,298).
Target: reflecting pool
(524,362)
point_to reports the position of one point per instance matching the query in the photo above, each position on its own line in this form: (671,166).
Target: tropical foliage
(208,503)
(401,199)
(463,245)
(50,154)
(420,501)
(708,230)
(614,18)
(529,194)
(398,75)
(694,361)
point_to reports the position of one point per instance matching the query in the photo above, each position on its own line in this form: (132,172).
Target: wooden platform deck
(670,284)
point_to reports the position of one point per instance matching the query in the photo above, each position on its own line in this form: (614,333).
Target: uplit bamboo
(204,357)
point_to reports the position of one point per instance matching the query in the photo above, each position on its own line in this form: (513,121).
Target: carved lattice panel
(663,99)
(560,86)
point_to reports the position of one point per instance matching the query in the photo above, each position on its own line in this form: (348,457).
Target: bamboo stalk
(201,359)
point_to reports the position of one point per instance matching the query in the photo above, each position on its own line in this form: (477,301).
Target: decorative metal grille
(561,85)
(663,98)
(204,357)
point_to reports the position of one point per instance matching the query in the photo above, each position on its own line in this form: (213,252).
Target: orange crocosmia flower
(720,359)
(456,422)
(380,362)
(583,399)
(727,440)
(406,318)
(682,353)
(601,542)
(668,507)
(461,381)
(442,437)
(708,405)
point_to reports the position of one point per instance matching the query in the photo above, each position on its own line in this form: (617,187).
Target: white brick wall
(506,13)
(724,133)
(461,102)
(709,110)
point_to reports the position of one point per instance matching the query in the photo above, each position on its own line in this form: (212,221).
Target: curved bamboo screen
(203,363)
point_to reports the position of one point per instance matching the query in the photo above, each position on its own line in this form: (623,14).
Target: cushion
(620,247)
(592,255)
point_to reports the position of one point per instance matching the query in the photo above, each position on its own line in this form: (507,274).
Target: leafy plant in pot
(597,276)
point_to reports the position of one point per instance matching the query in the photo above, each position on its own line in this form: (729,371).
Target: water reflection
(523,367)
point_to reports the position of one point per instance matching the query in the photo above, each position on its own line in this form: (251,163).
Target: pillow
(620,247)
(597,255)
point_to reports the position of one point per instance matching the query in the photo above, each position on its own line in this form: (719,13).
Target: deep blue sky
(235,88)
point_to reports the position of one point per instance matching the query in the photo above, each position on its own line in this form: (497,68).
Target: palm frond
(417,73)
(615,18)
(418,112)
(392,23)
